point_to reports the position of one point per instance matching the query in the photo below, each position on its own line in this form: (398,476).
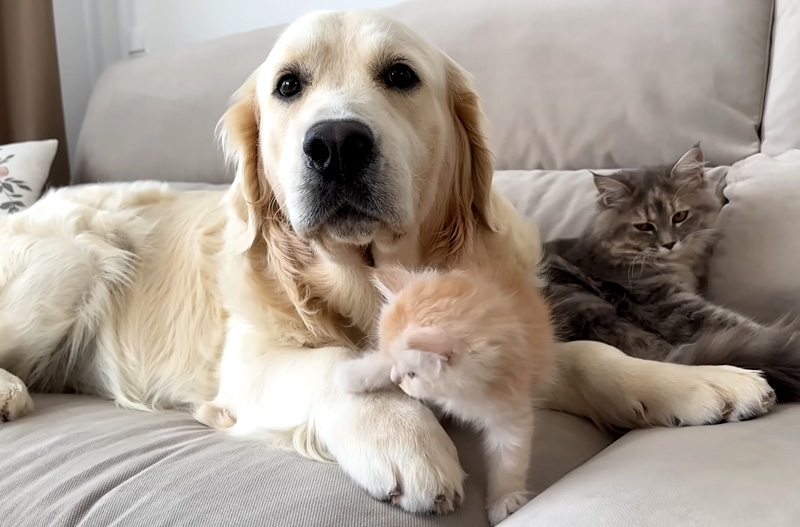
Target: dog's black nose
(339,148)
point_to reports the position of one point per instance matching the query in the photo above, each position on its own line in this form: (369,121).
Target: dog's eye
(289,85)
(411,375)
(645,227)
(401,77)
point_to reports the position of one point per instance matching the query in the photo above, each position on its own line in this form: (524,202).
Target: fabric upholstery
(754,267)
(571,84)
(735,474)
(566,85)
(155,117)
(781,130)
(80,461)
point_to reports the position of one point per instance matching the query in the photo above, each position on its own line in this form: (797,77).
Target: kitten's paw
(506,505)
(702,395)
(14,398)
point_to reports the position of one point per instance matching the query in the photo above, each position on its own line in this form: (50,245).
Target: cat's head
(423,328)
(422,360)
(661,212)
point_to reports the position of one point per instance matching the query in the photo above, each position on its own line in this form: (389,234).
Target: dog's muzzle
(342,191)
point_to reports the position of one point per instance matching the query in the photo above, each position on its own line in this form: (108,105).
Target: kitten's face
(421,359)
(659,213)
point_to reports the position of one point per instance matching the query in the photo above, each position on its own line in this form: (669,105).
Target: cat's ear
(391,280)
(611,191)
(432,340)
(690,166)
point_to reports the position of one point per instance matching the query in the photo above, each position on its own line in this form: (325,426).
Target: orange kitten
(475,343)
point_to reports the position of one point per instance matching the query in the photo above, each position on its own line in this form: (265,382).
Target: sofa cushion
(638,82)
(155,117)
(728,475)
(608,83)
(24,168)
(780,130)
(754,267)
(81,461)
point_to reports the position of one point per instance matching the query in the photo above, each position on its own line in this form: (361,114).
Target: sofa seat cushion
(728,475)
(79,460)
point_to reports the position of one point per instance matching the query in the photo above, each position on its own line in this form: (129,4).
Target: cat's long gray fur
(634,279)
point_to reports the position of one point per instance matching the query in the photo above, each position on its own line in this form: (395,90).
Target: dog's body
(238,304)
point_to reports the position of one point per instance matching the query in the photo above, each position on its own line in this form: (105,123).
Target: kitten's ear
(432,340)
(690,166)
(391,280)
(611,191)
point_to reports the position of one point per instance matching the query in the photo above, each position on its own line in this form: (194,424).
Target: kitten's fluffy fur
(474,343)
(634,279)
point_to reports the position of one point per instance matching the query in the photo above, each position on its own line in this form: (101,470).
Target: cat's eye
(410,375)
(644,227)
(680,217)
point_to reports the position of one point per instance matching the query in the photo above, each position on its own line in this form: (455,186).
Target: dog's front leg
(600,382)
(390,444)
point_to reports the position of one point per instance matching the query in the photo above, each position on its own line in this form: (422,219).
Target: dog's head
(355,128)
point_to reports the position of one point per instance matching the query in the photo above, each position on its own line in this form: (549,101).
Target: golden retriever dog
(356,145)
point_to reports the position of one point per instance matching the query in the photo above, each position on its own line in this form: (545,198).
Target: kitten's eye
(400,76)
(288,86)
(680,217)
(644,227)
(411,375)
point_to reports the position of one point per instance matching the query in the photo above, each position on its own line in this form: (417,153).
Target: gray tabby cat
(634,279)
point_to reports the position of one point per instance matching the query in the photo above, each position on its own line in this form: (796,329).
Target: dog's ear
(470,204)
(251,196)
(470,200)
(476,163)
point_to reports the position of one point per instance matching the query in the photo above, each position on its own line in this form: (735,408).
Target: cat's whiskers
(643,255)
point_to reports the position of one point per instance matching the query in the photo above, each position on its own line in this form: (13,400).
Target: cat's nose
(668,245)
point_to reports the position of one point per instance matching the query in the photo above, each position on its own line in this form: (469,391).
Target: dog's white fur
(224,304)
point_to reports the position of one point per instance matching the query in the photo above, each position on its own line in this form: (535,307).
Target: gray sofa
(567,85)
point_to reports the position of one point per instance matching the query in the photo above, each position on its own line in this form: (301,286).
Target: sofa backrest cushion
(781,127)
(566,84)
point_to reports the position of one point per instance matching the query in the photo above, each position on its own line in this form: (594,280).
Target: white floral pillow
(24,168)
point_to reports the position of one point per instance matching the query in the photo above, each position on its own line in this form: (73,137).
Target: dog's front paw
(701,395)
(395,449)
(727,393)
(14,398)
(506,505)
